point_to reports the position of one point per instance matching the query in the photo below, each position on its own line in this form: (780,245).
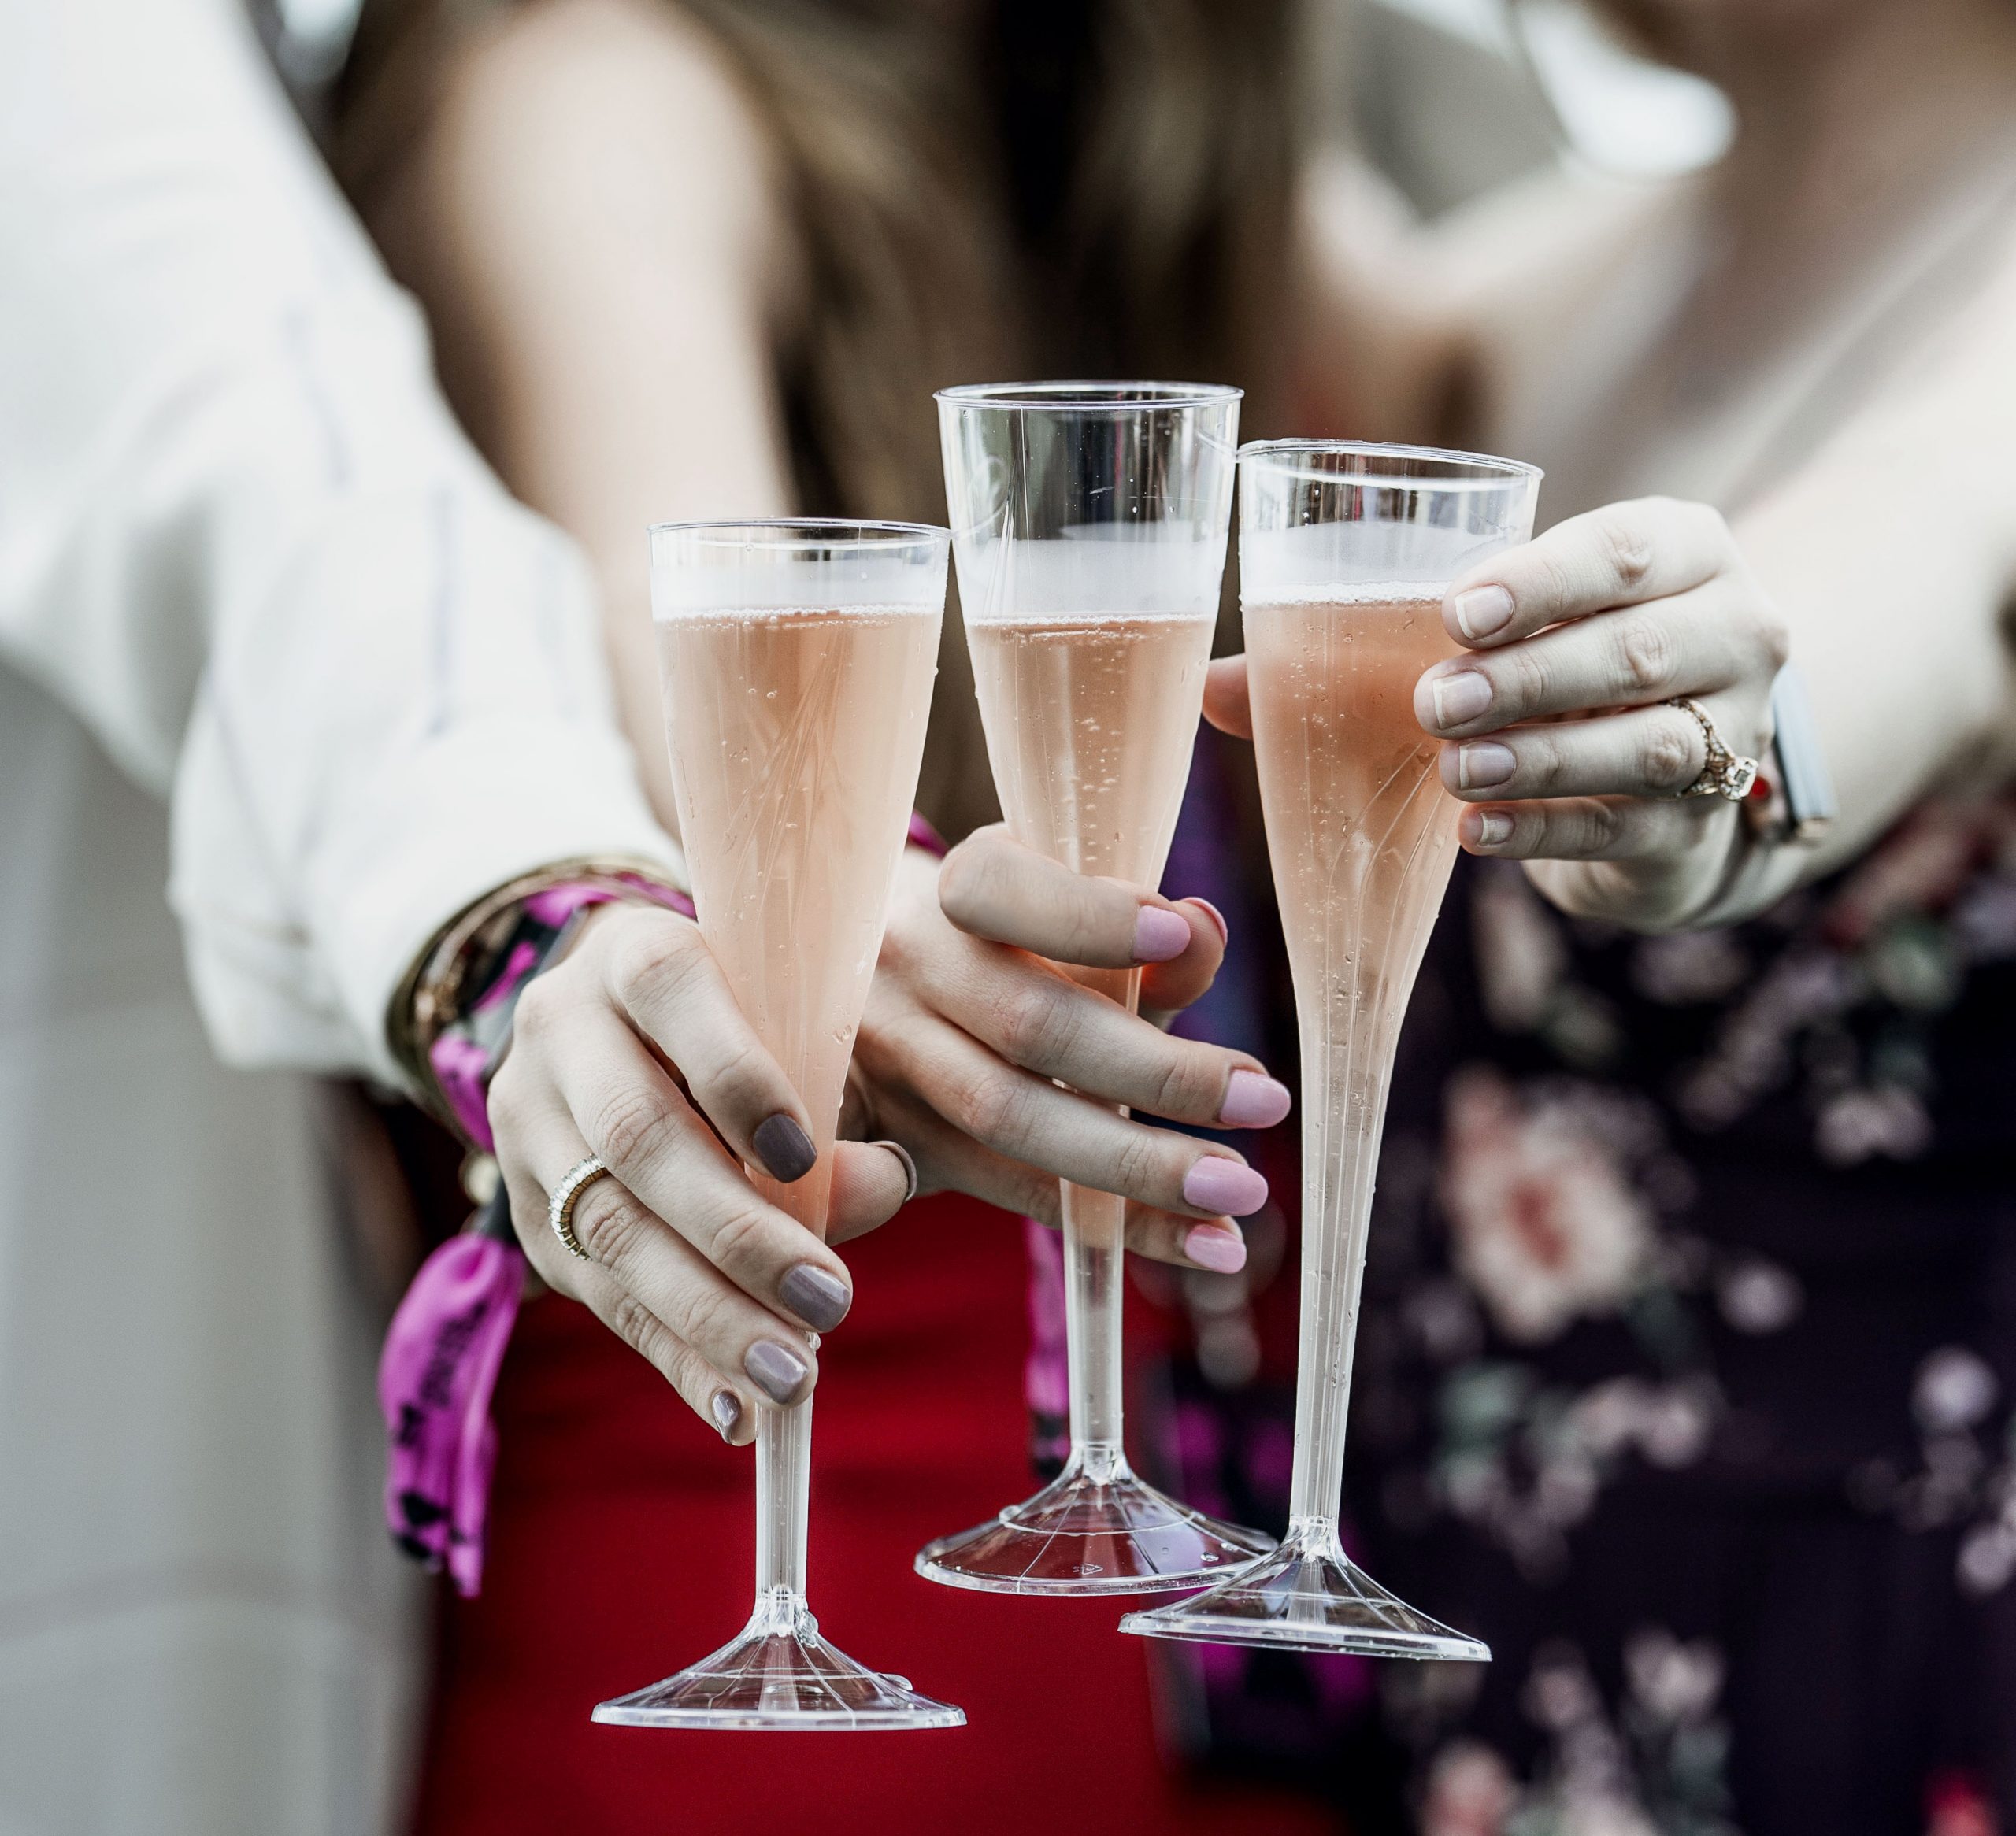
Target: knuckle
(632,1124)
(1666,758)
(992,1108)
(506,1099)
(1037,1023)
(638,1326)
(740,1239)
(1602,828)
(607,1222)
(743,1079)
(1544,762)
(1137,1163)
(1182,1087)
(1531,680)
(708,1317)
(1647,656)
(656,957)
(1626,544)
(538,1004)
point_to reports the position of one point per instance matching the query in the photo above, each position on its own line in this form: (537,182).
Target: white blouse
(249,565)
(242,538)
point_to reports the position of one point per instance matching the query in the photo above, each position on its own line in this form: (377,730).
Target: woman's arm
(1885,567)
(592,224)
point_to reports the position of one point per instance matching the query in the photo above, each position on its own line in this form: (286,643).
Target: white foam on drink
(1166,569)
(1357,561)
(1374,593)
(780,615)
(756,577)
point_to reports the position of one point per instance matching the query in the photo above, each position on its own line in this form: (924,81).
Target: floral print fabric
(1687,1362)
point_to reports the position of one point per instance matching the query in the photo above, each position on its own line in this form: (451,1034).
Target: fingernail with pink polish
(1160,936)
(1482,611)
(1460,698)
(1210,1246)
(1218,1184)
(1254,1100)
(1216,916)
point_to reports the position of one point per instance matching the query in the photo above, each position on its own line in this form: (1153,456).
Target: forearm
(1892,557)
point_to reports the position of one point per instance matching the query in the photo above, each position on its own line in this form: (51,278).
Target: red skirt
(621,1542)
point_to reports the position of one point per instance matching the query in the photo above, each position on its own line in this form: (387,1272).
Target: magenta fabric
(435,1381)
(446,1344)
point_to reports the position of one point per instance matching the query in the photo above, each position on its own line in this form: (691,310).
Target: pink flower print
(1546,1228)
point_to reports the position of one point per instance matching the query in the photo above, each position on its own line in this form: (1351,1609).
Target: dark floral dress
(1685,1376)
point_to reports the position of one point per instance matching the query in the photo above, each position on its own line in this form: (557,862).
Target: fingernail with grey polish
(910,1166)
(773,1370)
(1460,698)
(785,1150)
(816,1295)
(1484,764)
(1218,1184)
(1160,936)
(1254,1100)
(1483,610)
(728,1411)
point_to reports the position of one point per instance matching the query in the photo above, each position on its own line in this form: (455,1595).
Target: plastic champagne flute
(1090,522)
(797,661)
(1345,552)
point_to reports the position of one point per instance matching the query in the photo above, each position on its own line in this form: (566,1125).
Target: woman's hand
(634,1049)
(968,1035)
(1555,729)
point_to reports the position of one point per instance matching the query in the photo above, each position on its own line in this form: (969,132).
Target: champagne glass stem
(783,1472)
(1094,1241)
(1340,1161)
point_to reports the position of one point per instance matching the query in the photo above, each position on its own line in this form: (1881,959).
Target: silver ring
(1724,773)
(560,1201)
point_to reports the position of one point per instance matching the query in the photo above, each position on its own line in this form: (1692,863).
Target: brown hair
(1044,187)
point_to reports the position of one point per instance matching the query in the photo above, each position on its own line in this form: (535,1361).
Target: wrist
(451,1021)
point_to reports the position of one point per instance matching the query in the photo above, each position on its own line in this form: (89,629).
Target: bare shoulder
(586,112)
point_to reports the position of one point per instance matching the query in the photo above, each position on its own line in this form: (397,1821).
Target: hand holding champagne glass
(1091,523)
(797,661)
(1346,553)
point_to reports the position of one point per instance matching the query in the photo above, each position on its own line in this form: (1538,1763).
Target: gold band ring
(560,1201)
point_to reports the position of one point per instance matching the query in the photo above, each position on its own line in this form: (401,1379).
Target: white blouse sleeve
(242,538)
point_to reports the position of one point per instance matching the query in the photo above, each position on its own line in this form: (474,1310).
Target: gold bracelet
(428,997)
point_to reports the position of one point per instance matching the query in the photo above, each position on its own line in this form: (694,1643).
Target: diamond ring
(1724,773)
(560,1201)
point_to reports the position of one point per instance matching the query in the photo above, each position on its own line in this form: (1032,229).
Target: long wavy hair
(1036,187)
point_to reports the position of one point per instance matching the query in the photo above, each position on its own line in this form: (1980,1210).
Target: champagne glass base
(781,1674)
(1308,1596)
(1082,1534)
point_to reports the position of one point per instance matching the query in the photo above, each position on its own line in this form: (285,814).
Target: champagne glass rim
(1466,471)
(1089,397)
(824,533)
